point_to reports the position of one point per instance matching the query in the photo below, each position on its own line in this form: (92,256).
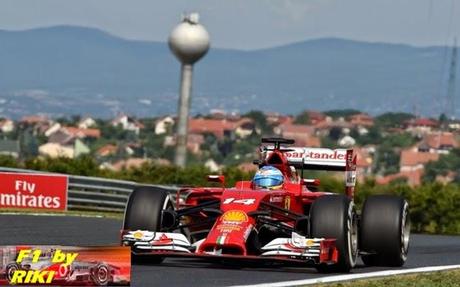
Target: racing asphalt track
(425,250)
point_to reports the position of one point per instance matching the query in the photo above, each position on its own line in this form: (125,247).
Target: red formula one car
(277,217)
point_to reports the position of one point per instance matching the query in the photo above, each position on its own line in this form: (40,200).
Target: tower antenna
(451,84)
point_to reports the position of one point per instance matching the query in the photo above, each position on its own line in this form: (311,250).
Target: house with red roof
(364,161)
(440,142)
(411,166)
(222,127)
(413,178)
(315,117)
(304,135)
(82,133)
(107,150)
(277,118)
(34,119)
(412,159)
(421,126)
(361,120)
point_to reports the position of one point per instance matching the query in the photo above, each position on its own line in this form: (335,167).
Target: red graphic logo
(34,191)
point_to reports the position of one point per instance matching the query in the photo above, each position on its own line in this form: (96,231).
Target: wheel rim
(405,232)
(102,274)
(10,272)
(352,235)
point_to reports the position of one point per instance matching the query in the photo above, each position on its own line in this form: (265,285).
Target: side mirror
(311,184)
(217,178)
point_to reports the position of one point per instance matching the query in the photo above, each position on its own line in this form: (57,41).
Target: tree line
(434,207)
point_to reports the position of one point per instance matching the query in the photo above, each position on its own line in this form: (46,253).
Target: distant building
(107,150)
(365,160)
(440,142)
(127,123)
(275,119)
(80,148)
(361,120)
(346,141)
(304,135)
(53,128)
(411,166)
(6,126)
(82,133)
(34,119)
(328,124)
(413,177)
(10,148)
(194,142)
(164,125)
(221,128)
(316,117)
(414,160)
(55,150)
(420,126)
(130,163)
(86,122)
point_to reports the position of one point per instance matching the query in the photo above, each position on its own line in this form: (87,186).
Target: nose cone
(189,42)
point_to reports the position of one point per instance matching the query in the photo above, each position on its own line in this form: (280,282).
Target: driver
(268,177)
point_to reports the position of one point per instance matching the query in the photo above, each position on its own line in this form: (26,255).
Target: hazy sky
(250,24)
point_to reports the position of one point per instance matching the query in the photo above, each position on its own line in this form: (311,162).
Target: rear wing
(322,159)
(316,158)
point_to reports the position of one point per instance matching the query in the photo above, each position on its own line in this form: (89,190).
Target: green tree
(392,120)
(341,113)
(302,118)
(260,121)
(446,163)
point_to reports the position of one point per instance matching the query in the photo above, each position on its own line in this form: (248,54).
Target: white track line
(347,277)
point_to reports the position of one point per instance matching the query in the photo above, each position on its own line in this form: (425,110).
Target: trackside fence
(97,194)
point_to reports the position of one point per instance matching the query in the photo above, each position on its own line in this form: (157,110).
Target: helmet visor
(268,181)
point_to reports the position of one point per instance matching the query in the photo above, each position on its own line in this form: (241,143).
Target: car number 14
(246,201)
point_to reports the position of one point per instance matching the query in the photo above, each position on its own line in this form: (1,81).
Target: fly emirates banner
(33,191)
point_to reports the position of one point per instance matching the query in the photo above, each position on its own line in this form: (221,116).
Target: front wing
(295,250)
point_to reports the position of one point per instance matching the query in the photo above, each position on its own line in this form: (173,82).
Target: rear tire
(144,212)
(334,216)
(10,269)
(385,230)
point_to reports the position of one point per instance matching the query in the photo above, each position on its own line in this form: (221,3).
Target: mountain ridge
(81,69)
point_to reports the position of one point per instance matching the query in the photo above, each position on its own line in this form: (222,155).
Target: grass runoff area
(449,278)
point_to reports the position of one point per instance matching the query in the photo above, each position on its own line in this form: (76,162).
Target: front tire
(101,275)
(385,231)
(144,212)
(334,216)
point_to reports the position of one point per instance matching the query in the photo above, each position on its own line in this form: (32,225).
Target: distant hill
(67,70)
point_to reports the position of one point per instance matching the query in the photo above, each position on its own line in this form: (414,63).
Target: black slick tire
(333,216)
(385,231)
(144,212)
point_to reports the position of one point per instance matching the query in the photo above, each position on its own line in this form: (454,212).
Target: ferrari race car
(289,221)
(82,273)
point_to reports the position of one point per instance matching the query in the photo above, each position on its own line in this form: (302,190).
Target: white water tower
(189,42)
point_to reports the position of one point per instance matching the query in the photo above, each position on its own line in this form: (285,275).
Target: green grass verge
(435,279)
